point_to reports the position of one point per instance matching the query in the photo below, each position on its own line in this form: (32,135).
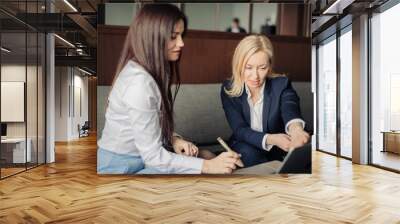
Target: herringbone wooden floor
(70,191)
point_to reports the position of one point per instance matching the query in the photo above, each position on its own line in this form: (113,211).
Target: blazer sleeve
(289,103)
(241,130)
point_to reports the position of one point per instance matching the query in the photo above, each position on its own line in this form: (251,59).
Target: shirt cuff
(189,165)
(265,145)
(294,121)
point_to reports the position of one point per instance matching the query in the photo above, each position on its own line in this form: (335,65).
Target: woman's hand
(283,141)
(297,135)
(299,138)
(184,147)
(224,163)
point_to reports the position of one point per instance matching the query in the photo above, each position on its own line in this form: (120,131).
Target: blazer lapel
(245,106)
(266,105)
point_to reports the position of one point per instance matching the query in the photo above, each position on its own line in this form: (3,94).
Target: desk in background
(13,150)
(391,141)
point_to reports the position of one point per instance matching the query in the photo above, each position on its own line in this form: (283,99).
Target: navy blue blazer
(281,104)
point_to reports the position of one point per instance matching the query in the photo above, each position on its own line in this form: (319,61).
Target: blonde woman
(261,107)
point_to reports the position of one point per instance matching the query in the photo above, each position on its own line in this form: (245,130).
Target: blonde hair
(246,48)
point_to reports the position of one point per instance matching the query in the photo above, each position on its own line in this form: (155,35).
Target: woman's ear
(269,72)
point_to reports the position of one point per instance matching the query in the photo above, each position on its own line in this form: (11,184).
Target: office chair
(84,130)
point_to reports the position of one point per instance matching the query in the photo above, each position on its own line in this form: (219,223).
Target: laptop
(296,161)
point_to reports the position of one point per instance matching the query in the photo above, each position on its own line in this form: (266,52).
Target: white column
(360,90)
(50,93)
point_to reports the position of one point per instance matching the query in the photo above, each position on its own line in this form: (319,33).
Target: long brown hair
(146,44)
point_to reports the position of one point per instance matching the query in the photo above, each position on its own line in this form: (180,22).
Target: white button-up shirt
(132,125)
(256,116)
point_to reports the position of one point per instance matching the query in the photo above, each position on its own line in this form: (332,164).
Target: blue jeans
(113,163)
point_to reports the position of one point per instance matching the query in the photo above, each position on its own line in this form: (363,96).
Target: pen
(227,148)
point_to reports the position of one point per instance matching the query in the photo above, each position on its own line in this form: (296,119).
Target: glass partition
(23,91)
(14,154)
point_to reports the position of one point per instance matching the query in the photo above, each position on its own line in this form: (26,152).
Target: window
(264,18)
(385,86)
(120,14)
(346,93)
(228,11)
(334,95)
(327,95)
(201,16)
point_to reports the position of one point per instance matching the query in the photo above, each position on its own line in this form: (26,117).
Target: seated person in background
(235,27)
(261,107)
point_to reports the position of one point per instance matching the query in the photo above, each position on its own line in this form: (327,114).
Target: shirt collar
(261,91)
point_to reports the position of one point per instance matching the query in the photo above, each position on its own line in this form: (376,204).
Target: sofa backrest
(199,115)
(303,90)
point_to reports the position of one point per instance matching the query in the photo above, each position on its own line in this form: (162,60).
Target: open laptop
(296,161)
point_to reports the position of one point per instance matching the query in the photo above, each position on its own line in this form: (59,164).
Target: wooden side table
(391,141)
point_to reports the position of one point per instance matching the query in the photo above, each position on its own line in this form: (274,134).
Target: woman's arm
(141,100)
(241,130)
(289,103)
(290,112)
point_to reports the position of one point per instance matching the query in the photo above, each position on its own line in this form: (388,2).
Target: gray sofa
(199,116)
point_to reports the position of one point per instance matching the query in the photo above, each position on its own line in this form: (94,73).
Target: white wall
(61,103)
(80,84)
(33,126)
(70,83)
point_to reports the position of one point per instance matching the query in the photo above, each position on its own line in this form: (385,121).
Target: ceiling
(72,20)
